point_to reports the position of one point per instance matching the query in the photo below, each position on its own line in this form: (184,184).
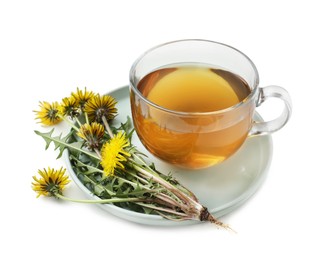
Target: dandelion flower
(113,154)
(92,134)
(82,97)
(69,107)
(100,107)
(48,114)
(51,182)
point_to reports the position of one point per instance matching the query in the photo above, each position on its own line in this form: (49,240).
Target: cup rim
(182,113)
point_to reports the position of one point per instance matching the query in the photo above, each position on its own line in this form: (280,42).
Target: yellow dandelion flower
(100,107)
(82,96)
(51,182)
(48,114)
(92,134)
(69,107)
(113,154)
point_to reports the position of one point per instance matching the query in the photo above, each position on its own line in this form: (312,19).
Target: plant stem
(71,124)
(98,153)
(170,200)
(107,127)
(100,201)
(153,175)
(162,209)
(86,118)
(78,122)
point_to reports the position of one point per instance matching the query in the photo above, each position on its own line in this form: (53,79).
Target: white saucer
(220,188)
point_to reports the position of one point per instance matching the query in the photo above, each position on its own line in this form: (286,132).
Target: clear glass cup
(200,139)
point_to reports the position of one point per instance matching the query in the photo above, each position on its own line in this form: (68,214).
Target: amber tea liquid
(192,140)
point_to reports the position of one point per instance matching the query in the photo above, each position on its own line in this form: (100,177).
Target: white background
(48,48)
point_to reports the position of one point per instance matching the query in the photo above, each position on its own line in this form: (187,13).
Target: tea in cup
(193,102)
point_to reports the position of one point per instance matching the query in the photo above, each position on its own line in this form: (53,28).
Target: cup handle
(262,128)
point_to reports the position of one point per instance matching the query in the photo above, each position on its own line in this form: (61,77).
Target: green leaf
(127,127)
(148,210)
(62,143)
(89,168)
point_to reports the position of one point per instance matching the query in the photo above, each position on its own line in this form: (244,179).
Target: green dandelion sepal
(50,183)
(48,114)
(82,97)
(100,108)
(92,134)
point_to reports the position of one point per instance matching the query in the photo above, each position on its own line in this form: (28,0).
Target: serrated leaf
(90,169)
(61,143)
(148,210)
(127,127)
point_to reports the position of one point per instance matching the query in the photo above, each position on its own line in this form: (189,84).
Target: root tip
(206,216)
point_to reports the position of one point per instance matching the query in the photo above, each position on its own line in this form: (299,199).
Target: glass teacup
(193,102)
